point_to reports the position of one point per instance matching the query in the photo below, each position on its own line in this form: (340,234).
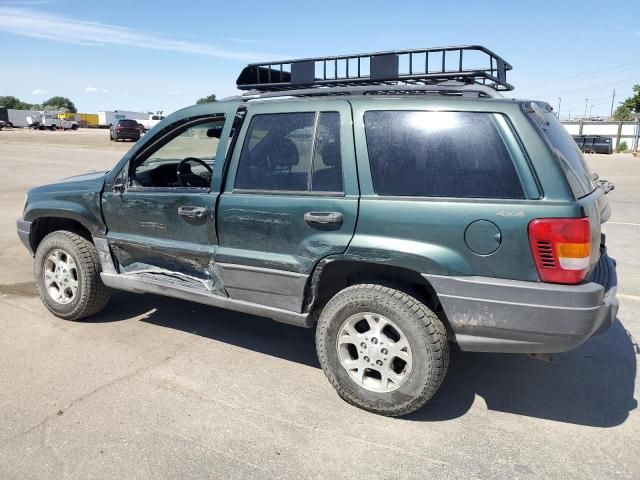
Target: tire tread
(434,335)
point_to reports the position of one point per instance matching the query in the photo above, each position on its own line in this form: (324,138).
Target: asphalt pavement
(160,388)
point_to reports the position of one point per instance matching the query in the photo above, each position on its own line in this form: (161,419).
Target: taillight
(561,248)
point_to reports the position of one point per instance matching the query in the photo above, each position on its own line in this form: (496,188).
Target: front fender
(88,216)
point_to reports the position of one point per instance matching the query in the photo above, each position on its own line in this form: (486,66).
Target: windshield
(564,147)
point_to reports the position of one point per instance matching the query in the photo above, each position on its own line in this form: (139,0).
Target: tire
(91,294)
(52,128)
(74,127)
(422,330)
(110,136)
(8,125)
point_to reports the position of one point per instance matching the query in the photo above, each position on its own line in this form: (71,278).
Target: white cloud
(105,90)
(38,91)
(32,23)
(91,89)
(174,92)
(241,40)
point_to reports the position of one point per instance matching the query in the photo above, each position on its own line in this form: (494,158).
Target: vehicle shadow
(592,385)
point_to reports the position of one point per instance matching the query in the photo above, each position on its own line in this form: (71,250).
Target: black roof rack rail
(468,64)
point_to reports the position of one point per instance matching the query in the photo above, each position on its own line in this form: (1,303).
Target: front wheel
(67,271)
(381,349)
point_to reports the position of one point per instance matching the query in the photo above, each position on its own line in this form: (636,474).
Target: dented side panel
(147,235)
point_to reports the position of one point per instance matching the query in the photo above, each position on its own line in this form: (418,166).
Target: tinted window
(439,154)
(128,123)
(564,147)
(280,153)
(327,159)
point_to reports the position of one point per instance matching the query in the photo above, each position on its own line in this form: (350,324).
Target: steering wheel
(190,179)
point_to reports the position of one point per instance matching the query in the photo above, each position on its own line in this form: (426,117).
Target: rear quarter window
(564,147)
(439,154)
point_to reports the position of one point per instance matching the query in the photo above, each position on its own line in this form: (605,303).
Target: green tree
(60,103)
(14,103)
(630,106)
(623,113)
(208,99)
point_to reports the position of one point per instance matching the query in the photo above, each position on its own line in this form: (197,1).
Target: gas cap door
(483,237)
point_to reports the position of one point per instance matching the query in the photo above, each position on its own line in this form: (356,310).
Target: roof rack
(470,64)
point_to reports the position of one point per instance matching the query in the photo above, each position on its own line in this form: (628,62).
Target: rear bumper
(24,231)
(510,316)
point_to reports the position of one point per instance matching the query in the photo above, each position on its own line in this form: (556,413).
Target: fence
(628,132)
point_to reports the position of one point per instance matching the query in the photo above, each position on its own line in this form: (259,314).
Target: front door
(161,221)
(290,199)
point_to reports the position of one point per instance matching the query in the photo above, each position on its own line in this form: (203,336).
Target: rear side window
(439,154)
(292,152)
(565,148)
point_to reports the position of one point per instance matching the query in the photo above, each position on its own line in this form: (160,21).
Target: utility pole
(613,97)
(559,105)
(590,110)
(586,101)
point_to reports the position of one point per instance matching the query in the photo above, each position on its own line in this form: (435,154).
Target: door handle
(323,218)
(192,212)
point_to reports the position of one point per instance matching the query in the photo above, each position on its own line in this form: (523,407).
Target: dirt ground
(81,138)
(160,388)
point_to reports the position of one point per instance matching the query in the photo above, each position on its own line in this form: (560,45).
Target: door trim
(265,286)
(135,284)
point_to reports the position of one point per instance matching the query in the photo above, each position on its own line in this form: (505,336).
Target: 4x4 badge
(503,213)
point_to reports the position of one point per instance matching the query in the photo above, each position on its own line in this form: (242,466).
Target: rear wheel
(67,271)
(382,349)
(52,128)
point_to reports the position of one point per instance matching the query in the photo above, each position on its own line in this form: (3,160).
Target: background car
(125,129)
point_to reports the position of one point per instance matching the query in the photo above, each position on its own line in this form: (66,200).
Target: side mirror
(119,184)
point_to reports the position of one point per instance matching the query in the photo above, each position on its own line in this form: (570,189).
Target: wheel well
(44,226)
(340,274)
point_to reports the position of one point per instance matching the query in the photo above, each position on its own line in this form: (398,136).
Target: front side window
(439,154)
(186,160)
(291,152)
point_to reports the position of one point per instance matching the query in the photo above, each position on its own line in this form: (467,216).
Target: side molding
(133,283)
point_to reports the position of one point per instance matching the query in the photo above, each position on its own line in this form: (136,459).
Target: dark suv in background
(125,129)
(393,210)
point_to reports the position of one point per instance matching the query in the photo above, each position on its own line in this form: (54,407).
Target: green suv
(394,201)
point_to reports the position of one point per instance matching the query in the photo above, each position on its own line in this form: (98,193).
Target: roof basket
(470,64)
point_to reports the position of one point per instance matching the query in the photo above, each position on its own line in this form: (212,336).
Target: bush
(622,147)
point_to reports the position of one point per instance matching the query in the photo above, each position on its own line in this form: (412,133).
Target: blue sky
(164,55)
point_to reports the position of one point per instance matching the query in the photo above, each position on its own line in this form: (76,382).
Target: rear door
(290,199)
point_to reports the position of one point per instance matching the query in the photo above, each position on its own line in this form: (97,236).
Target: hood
(95,175)
(91,182)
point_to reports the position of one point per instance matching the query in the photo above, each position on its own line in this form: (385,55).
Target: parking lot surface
(160,388)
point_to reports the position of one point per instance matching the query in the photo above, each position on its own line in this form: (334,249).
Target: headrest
(285,153)
(331,154)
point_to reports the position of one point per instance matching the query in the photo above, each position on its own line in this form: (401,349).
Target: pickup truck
(48,121)
(149,123)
